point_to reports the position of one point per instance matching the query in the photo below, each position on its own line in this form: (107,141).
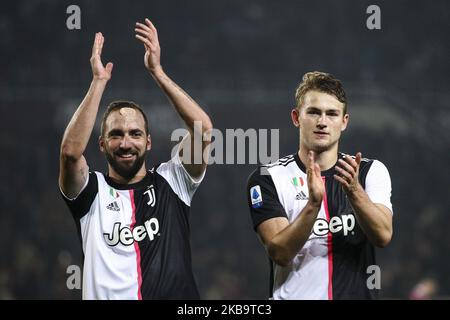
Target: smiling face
(321,120)
(125,142)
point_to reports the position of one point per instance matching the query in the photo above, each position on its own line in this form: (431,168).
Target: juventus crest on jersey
(135,237)
(333,262)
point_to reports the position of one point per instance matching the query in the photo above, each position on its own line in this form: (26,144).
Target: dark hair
(117,105)
(323,82)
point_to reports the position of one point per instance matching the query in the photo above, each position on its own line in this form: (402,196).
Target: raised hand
(148,35)
(99,72)
(348,170)
(316,186)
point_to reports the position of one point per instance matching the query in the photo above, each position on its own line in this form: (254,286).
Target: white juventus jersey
(332,264)
(135,237)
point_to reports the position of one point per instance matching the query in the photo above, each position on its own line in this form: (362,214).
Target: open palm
(99,72)
(148,35)
(315,183)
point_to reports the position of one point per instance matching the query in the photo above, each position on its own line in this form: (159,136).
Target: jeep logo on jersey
(346,223)
(127,237)
(151,196)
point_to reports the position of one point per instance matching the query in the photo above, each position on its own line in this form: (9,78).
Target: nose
(321,122)
(125,142)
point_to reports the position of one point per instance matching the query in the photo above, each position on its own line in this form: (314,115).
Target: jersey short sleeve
(263,199)
(378,184)
(80,205)
(179,179)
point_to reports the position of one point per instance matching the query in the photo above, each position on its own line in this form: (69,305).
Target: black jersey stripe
(352,253)
(175,280)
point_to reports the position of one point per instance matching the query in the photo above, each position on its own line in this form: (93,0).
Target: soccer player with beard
(133,223)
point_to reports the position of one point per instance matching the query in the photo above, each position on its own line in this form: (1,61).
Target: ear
(149,142)
(101,143)
(295,114)
(345,120)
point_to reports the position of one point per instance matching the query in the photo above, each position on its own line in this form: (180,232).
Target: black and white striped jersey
(333,262)
(136,237)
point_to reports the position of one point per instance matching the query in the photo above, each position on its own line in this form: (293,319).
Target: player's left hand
(348,172)
(148,35)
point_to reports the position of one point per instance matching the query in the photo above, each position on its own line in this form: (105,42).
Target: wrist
(355,191)
(311,209)
(99,79)
(314,205)
(157,70)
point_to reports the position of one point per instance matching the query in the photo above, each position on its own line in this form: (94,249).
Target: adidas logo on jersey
(113,206)
(125,236)
(346,223)
(301,196)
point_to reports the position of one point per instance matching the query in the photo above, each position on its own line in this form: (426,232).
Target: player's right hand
(99,72)
(316,185)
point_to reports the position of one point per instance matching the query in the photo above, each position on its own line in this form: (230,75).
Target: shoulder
(371,164)
(91,186)
(378,169)
(282,162)
(369,168)
(265,169)
(80,205)
(264,173)
(258,176)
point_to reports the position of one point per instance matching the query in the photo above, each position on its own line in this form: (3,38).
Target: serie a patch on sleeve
(256,196)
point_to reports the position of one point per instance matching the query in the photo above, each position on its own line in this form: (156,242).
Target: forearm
(288,242)
(79,129)
(375,223)
(188,109)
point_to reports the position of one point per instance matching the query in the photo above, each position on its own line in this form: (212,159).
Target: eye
(115,134)
(136,134)
(313,111)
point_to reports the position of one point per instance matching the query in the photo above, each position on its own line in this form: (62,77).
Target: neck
(121,180)
(325,159)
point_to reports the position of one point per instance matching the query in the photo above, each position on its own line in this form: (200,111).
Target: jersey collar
(328,172)
(137,185)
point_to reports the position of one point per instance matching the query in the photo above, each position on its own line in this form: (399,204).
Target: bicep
(268,229)
(72,175)
(386,214)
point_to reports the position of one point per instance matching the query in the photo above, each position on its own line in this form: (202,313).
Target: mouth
(321,133)
(126,156)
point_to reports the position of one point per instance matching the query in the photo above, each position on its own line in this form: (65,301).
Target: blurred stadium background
(241,60)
